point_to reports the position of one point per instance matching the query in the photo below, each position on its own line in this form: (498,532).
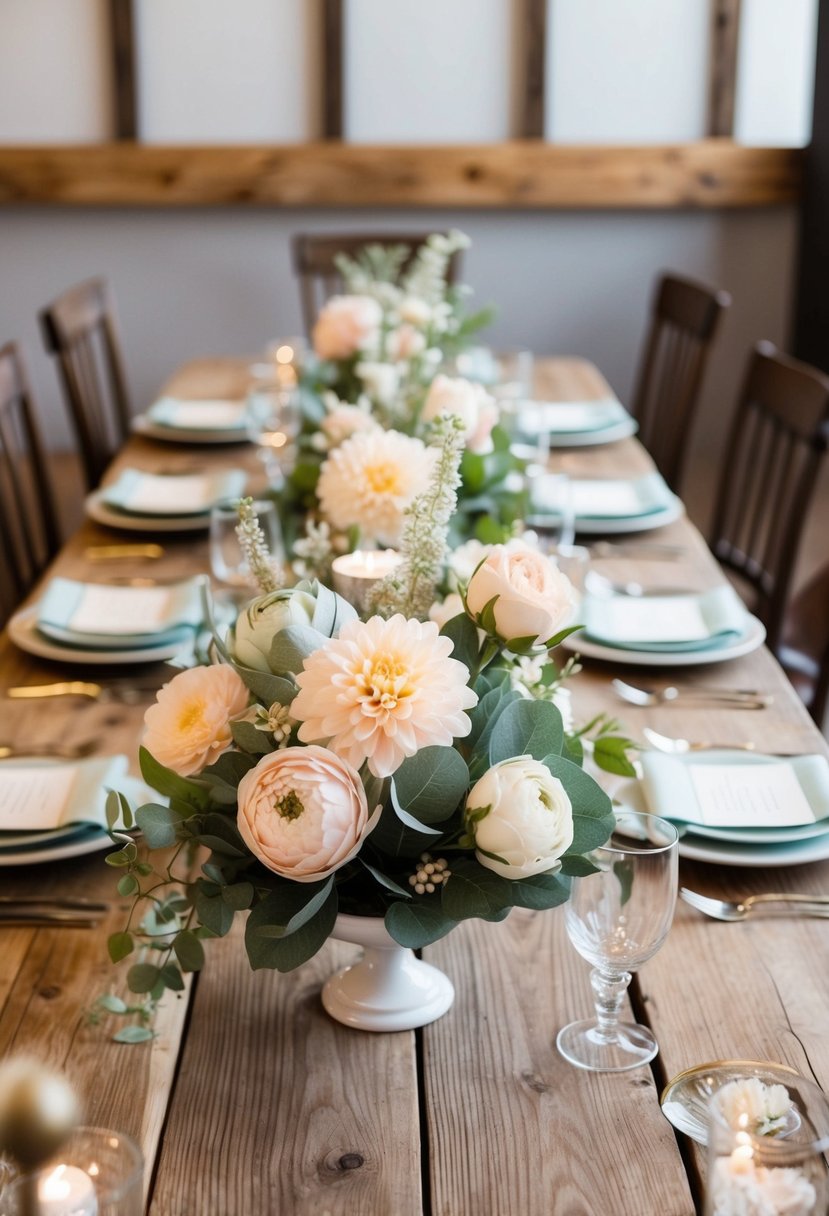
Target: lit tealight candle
(356,574)
(66,1191)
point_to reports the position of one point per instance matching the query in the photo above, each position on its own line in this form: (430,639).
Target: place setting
(736,806)
(602,506)
(104,624)
(196,421)
(142,501)
(569,424)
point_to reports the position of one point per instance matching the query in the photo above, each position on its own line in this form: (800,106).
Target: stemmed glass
(273,423)
(617,918)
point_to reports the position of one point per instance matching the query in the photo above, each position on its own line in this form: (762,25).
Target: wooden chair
(80,329)
(804,645)
(29,536)
(684,320)
(778,439)
(315,266)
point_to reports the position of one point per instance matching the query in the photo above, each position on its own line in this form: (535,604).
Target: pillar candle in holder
(356,574)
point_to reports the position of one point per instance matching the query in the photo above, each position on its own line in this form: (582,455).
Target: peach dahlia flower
(189,725)
(383,690)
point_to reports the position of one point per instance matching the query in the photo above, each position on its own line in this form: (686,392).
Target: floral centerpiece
(380,375)
(382,767)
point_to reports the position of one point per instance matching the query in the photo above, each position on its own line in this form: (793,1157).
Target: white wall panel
(429,70)
(55,79)
(776,72)
(211,71)
(626,71)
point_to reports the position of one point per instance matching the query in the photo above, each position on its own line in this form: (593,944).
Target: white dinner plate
(754,636)
(696,848)
(25,634)
(610,526)
(142,425)
(74,840)
(102,513)
(622,429)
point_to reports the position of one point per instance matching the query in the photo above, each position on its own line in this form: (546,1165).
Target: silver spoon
(747,698)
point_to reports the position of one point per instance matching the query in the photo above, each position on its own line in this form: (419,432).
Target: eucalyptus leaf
(238,895)
(391,836)
(408,821)
(251,739)
(417,924)
(385,881)
(111,1003)
(172,977)
(431,783)
(159,824)
(526,728)
(474,890)
(592,808)
(540,891)
(286,953)
(143,977)
(189,951)
(134,1034)
(463,634)
(167,782)
(292,646)
(576,866)
(119,946)
(212,910)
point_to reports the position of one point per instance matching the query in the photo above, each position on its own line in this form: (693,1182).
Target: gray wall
(193,282)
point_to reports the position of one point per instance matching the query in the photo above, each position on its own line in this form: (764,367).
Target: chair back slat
(81,330)
(314,260)
(777,443)
(29,535)
(684,320)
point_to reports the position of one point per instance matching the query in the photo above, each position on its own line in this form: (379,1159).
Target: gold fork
(130,694)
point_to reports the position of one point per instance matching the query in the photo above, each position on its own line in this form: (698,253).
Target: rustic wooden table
(252,1101)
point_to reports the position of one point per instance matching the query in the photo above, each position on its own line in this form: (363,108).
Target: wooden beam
(535,47)
(521,174)
(722,70)
(122,47)
(332,69)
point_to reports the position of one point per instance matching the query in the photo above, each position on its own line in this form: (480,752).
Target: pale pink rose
(468,401)
(345,421)
(303,812)
(383,690)
(405,342)
(189,725)
(534,598)
(346,325)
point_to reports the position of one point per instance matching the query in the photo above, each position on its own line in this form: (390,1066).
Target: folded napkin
(720,792)
(206,415)
(105,617)
(569,417)
(666,623)
(45,796)
(188,494)
(606,497)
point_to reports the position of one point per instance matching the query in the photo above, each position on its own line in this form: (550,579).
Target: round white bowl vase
(388,988)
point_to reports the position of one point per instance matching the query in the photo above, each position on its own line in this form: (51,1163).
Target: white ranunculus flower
(534,599)
(346,325)
(468,401)
(528,822)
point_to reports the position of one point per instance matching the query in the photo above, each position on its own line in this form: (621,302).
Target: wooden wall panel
(722,70)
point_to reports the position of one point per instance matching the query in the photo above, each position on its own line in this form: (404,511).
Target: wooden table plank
(280,1109)
(532,1134)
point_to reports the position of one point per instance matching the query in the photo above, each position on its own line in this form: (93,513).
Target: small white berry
(430,886)
(419,887)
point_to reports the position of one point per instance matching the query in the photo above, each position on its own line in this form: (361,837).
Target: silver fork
(748,698)
(728,909)
(678,747)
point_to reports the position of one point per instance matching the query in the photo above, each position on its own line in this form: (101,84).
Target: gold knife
(104,553)
(69,688)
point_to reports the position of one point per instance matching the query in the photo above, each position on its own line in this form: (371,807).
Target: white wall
(776,72)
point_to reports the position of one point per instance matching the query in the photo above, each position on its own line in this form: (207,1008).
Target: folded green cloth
(100,616)
(666,624)
(140,493)
(207,415)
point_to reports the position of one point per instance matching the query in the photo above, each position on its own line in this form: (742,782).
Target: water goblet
(228,562)
(617,918)
(758,1163)
(550,512)
(273,420)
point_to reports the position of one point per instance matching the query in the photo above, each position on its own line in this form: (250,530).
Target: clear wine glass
(273,422)
(550,510)
(617,918)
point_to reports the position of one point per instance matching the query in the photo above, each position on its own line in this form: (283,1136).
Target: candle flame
(54,1185)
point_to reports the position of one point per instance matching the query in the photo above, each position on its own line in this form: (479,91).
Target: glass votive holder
(97,1172)
(356,574)
(228,562)
(766,1150)
(286,358)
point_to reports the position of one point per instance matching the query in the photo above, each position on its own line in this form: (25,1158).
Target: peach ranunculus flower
(383,690)
(534,599)
(346,325)
(475,407)
(344,421)
(303,812)
(370,480)
(189,725)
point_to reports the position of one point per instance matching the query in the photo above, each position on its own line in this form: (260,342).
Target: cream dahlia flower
(381,691)
(189,725)
(370,480)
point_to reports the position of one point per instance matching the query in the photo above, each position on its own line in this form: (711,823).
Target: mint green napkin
(140,493)
(105,617)
(666,624)
(201,415)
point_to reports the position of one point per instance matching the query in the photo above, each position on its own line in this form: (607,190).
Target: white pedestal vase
(388,988)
